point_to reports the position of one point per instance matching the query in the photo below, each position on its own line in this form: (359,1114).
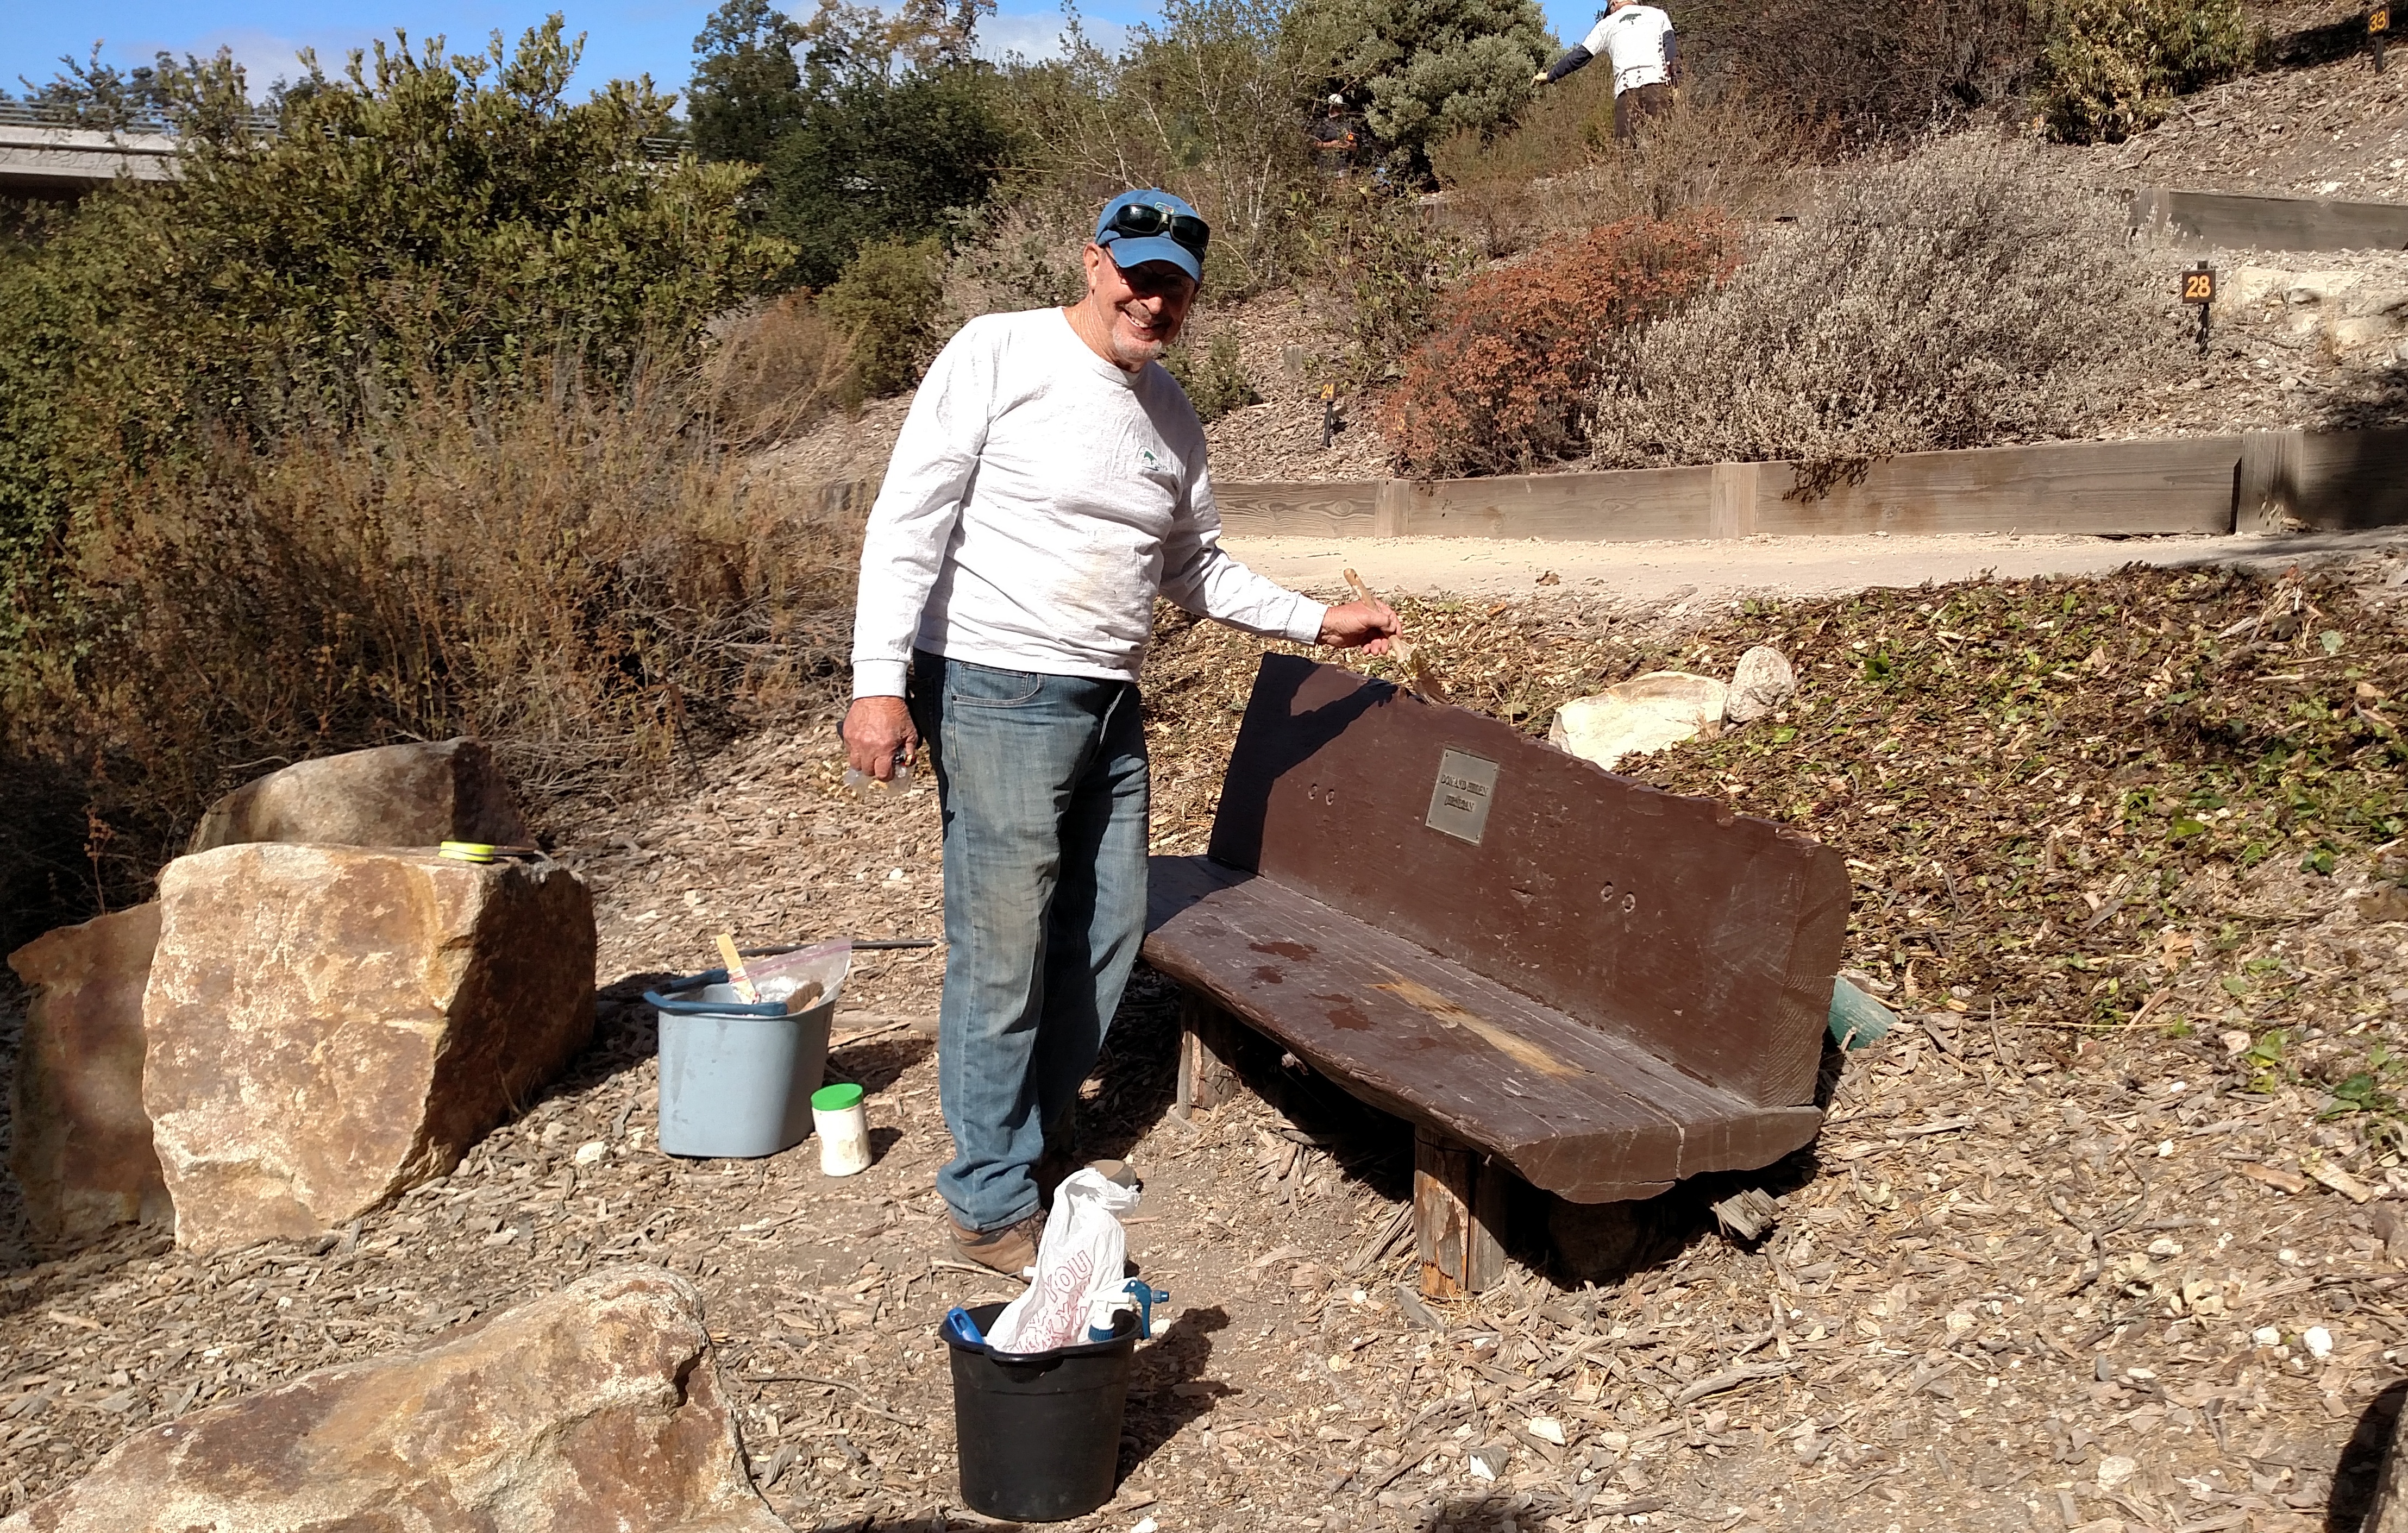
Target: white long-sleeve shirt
(1038,500)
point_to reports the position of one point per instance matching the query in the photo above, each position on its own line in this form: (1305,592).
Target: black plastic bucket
(1040,1438)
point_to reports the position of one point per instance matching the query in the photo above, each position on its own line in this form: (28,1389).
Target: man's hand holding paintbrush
(1397,647)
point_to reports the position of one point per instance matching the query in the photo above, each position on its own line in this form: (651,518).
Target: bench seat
(1554,973)
(1578,1111)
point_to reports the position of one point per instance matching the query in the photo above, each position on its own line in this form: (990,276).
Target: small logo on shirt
(1151,461)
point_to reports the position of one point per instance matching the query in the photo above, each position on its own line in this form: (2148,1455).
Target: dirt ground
(1703,573)
(2104,1235)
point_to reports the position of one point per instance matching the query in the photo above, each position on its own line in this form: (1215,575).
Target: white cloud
(1038,35)
(265,57)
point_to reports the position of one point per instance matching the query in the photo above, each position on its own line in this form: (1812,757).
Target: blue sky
(622,37)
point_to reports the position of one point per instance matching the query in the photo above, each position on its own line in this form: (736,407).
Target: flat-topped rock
(330,1025)
(80,1140)
(599,1407)
(392,796)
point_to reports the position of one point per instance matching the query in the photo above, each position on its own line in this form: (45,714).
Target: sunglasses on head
(1143,220)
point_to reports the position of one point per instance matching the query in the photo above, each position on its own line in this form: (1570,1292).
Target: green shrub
(1216,383)
(2111,67)
(1431,68)
(419,217)
(888,304)
(882,158)
(1508,382)
(1206,105)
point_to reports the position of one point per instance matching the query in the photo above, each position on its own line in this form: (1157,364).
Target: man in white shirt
(1048,483)
(1637,40)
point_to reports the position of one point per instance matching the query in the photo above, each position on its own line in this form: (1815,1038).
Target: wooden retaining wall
(2260,482)
(2238,222)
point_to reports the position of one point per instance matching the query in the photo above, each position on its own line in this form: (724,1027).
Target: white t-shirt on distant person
(1632,38)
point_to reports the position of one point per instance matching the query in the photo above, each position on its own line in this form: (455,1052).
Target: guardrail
(2257,480)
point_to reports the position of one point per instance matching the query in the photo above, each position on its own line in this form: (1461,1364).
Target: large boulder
(80,1144)
(328,1026)
(1639,716)
(392,796)
(599,1407)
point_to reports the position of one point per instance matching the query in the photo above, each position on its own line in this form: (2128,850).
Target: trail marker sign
(2199,288)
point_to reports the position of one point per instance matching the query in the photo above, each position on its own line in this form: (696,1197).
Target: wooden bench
(1551,971)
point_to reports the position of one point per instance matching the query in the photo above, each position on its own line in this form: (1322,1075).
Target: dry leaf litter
(2103,1234)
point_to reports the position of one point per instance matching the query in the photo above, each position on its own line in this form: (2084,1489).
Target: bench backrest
(1709,938)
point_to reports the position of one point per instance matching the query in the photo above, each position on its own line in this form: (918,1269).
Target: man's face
(1143,308)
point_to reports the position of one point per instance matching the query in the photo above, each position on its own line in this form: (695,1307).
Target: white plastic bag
(1080,1261)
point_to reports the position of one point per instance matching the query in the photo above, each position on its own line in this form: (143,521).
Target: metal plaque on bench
(1460,801)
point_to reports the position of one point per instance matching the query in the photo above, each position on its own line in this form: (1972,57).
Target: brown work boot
(1010,1251)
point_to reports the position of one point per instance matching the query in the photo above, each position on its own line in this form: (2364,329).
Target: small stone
(2318,1341)
(1763,680)
(590,1152)
(2267,1336)
(1487,1463)
(2115,1470)
(1546,1429)
(1959,1322)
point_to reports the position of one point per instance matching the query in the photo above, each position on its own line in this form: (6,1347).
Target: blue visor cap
(1137,227)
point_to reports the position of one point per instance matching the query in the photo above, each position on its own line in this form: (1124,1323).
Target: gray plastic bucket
(736,1077)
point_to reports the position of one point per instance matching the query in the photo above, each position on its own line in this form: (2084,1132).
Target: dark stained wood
(1459,1216)
(1581,1110)
(1207,1053)
(1662,925)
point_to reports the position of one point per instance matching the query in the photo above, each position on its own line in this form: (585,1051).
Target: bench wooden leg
(1459,1216)
(1207,1053)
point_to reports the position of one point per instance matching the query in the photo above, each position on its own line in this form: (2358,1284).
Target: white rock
(1639,716)
(1762,682)
(1546,1429)
(2319,1342)
(591,1151)
(2115,1470)
(2267,1336)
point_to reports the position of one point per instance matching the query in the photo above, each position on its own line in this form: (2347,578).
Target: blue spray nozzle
(961,1328)
(1145,1297)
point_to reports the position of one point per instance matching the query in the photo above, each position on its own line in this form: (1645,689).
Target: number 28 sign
(2199,285)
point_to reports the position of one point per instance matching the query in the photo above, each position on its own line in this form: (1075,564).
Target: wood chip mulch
(2105,1233)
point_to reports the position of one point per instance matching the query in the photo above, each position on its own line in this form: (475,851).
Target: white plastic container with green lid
(843,1129)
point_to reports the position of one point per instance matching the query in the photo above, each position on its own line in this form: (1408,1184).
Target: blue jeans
(1042,779)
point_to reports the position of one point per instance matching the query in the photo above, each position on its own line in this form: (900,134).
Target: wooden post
(2267,489)
(1730,501)
(1207,1053)
(1392,503)
(1459,1216)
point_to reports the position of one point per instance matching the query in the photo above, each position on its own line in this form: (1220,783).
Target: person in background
(1334,138)
(1048,483)
(1637,40)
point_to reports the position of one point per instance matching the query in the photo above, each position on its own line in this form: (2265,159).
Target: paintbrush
(1405,651)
